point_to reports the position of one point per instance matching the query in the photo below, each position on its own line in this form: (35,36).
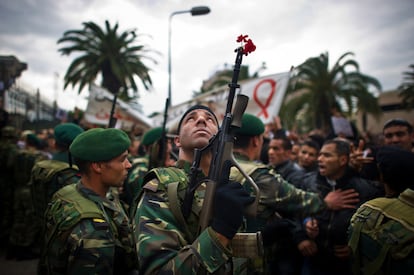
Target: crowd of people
(104,201)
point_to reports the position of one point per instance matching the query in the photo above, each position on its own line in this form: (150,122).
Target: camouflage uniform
(26,227)
(173,245)
(133,183)
(86,234)
(8,149)
(276,196)
(381,236)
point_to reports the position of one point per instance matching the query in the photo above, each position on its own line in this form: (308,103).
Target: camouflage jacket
(135,179)
(164,243)
(86,234)
(381,236)
(276,194)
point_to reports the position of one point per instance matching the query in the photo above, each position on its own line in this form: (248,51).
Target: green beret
(151,136)
(99,144)
(65,133)
(251,126)
(33,140)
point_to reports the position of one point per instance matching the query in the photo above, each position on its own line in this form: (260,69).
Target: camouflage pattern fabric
(156,228)
(26,227)
(23,164)
(7,152)
(163,244)
(134,182)
(86,234)
(381,236)
(47,177)
(276,194)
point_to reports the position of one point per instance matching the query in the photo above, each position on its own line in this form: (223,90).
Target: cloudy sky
(286,33)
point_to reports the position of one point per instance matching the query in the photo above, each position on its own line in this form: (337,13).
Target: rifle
(221,146)
(158,153)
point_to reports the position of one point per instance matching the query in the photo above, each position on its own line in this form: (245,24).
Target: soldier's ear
(97,167)
(177,141)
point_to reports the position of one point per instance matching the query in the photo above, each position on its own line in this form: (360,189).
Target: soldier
(50,175)
(140,165)
(86,233)
(381,232)
(24,234)
(8,149)
(166,241)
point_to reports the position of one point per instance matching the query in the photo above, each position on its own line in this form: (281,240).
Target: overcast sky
(286,33)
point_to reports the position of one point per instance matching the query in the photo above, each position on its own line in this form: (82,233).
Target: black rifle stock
(221,146)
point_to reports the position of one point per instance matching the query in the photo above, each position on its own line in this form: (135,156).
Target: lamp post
(199,10)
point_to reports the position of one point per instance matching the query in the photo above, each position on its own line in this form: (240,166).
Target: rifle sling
(176,209)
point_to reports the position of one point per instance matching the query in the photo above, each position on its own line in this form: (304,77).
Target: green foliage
(406,89)
(107,52)
(314,89)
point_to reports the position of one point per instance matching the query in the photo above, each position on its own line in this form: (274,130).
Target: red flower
(248,44)
(242,38)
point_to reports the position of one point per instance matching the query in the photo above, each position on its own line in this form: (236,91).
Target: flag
(99,108)
(265,99)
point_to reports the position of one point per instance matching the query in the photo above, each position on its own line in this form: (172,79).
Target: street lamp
(199,10)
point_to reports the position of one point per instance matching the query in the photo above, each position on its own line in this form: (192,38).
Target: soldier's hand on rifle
(229,203)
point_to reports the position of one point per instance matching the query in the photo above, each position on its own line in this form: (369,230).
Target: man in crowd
(280,149)
(399,132)
(308,155)
(325,247)
(86,233)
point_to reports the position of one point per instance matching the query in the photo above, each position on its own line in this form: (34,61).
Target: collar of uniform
(407,197)
(241,156)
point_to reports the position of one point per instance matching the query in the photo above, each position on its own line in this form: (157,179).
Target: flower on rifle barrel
(248,44)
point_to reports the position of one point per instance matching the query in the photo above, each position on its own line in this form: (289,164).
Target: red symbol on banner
(264,107)
(102,114)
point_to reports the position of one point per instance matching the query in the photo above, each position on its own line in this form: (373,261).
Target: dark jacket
(333,225)
(290,172)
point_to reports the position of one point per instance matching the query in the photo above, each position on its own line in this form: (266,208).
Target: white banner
(265,99)
(99,108)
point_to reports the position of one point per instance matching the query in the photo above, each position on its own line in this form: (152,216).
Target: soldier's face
(196,130)
(115,171)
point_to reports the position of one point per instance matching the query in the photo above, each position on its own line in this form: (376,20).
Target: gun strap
(176,209)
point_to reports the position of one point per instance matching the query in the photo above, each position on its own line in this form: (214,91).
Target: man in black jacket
(325,244)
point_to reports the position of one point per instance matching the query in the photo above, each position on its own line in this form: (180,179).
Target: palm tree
(315,89)
(109,53)
(407,89)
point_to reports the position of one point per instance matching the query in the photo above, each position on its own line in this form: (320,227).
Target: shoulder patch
(152,185)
